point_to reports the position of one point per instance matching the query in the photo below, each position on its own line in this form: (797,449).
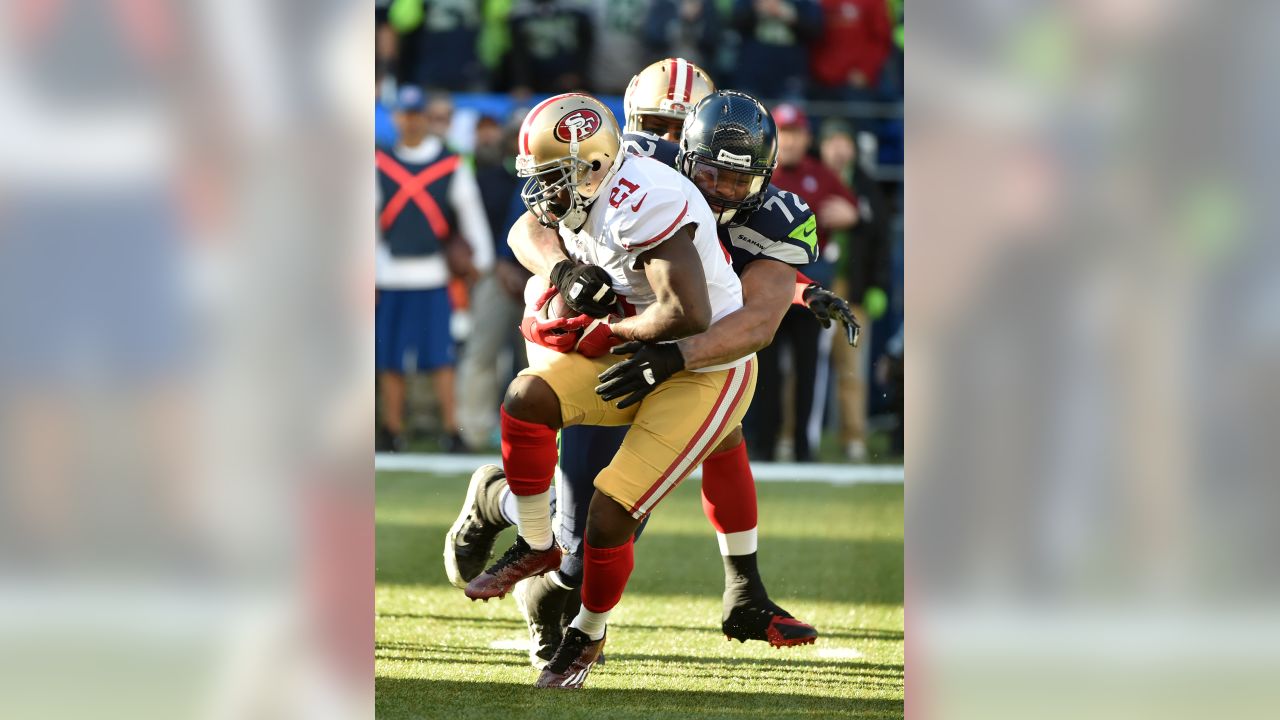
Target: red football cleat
(519,562)
(768,622)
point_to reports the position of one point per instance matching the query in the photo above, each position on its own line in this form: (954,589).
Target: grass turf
(830,555)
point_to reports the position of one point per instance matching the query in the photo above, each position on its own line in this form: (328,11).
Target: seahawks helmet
(729,149)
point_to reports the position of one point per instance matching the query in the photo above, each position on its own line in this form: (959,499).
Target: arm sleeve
(464,195)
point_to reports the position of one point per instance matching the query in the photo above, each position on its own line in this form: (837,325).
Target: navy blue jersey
(783,229)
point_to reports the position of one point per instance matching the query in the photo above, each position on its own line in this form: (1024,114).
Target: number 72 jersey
(782,229)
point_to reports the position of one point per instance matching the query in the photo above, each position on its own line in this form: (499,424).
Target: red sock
(528,455)
(729,490)
(604,574)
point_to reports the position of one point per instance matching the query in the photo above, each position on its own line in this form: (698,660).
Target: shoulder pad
(646,145)
(783,228)
(650,215)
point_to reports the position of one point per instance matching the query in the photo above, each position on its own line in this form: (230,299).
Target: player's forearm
(661,321)
(537,248)
(766,295)
(735,335)
(682,306)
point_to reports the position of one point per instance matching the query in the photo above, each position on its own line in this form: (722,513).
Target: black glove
(585,288)
(640,373)
(824,304)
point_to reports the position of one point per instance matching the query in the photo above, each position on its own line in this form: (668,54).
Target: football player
(777,232)
(633,230)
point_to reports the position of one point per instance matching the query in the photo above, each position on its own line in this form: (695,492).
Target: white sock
(738,543)
(507,505)
(533,518)
(591,623)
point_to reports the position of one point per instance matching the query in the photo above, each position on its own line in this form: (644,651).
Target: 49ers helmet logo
(585,122)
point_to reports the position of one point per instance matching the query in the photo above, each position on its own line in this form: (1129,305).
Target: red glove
(597,338)
(560,334)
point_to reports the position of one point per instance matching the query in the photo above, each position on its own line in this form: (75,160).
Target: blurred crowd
(448,309)
(775,49)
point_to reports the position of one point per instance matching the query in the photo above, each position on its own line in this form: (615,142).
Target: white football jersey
(644,205)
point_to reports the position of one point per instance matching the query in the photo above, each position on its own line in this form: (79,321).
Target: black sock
(742,583)
(546,600)
(572,604)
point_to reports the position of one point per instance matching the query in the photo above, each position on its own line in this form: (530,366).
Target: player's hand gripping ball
(549,321)
(585,288)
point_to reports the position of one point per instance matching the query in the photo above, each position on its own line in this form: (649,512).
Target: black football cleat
(573,660)
(468,546)
(541,602)
(763,620)
(519,562)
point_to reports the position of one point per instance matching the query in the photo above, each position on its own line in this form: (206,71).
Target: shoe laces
(513,554)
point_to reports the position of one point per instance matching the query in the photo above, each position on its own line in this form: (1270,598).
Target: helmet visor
(726,188)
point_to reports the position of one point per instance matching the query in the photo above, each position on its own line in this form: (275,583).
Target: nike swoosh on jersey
(639,202)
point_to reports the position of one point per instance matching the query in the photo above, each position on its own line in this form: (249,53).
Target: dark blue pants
(585,450)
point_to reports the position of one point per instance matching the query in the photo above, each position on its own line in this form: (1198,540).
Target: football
(592,341)
(556,307)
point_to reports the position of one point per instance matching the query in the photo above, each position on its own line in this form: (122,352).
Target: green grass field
(830,555)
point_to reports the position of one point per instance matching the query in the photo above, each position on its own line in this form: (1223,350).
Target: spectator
(620,43)
(862,277)
(440,41)
(551,46)
(426,196)
(689,29)
(438,114)
(799,334)
(773,59)
(856,39)
(497,299)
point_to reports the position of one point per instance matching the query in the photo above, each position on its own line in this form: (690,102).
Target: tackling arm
(537,247)
(766,295)
(682,307)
